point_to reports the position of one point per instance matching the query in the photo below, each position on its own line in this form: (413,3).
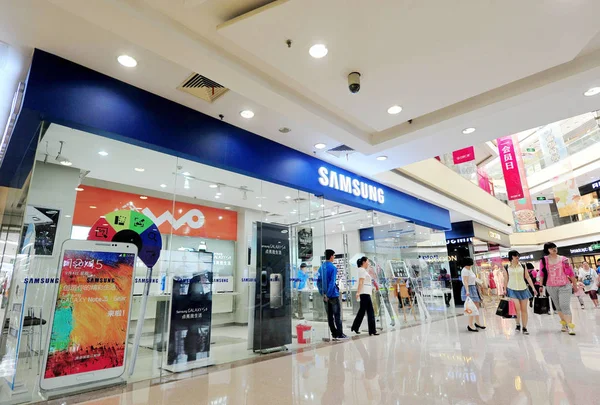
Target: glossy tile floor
(436,363)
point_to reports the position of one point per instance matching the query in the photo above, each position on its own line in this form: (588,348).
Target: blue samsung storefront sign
(69,94)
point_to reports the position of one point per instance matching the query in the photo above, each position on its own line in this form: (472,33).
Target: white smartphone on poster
(89,324)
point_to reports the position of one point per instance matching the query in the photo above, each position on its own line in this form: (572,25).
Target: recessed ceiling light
(259,205)
(143,197)
(318,51)
(78,189)
(139,169)
(213,186)
(186,173)
(468,131)
(287,197)
(220,217)
(320,146)
(285,130)
(67,216)
(127,61)
(163,186)
(381,157)
(66,162)
(227,208)
(103,153)
(395,109)
(247,114)
(93,207)
(217,197)
(592,92)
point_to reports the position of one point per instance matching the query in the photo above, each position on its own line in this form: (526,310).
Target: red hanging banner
(510,168)
(463,155)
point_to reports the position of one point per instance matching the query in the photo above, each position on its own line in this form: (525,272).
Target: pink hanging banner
(510,168)
(463,155)
(484,180)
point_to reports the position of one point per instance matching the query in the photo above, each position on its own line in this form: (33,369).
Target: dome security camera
(354,82)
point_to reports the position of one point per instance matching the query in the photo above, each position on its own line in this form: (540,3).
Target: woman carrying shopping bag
(560,282)
(469,291)
(516,289)
(589,278)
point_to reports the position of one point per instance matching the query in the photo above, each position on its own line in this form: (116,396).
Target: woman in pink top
(557,276)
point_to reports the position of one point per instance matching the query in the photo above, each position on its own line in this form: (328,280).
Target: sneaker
(563,326)
(582,306)
(343,337)
(571,329)
(518,328)
(525,331)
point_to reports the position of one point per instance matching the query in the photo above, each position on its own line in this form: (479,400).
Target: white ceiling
(486,66)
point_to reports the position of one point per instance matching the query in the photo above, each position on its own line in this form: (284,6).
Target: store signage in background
(584,249)
(542,202)
(350,185)
(540,198)
(463,155)
(510,168)
(530,150)
(590,188)
(188,219)
(490,235)
(458,240)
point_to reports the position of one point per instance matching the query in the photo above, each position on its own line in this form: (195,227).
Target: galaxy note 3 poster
(89,329)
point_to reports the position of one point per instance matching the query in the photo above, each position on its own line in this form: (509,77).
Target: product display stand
(80,389)
(140,322)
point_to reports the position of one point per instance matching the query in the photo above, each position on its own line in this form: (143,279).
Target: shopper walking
(469,289)
(518,279)
(589,278)
(328,288)
(363,295)
(560,281)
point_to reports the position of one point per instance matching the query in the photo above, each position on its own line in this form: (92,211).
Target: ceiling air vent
(202,87)
(341,151)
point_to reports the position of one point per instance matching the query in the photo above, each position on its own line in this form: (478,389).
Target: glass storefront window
(227,265)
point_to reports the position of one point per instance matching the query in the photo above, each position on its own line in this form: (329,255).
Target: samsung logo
(36,280)
(347,184)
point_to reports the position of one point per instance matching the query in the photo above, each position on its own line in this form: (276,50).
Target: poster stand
(140,323)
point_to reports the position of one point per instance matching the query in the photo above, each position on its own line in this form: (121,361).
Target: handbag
(502,309)
(470,308)
(512,311)
(541,305)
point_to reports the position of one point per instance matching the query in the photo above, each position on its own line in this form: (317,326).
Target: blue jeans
(334,316)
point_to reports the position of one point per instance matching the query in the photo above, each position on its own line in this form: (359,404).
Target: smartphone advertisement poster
(191,314)
(91,316)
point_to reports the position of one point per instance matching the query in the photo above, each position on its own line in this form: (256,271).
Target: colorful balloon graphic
(130,227)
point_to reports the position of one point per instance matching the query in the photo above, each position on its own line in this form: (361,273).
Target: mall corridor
(432,364)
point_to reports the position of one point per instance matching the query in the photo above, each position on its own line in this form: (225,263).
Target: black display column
(456,253)
(273,311)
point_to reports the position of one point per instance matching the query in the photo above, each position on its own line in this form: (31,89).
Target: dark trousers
(366,305)
(334,316)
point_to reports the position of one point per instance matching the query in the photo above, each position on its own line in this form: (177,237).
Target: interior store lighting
(127,61)
(381,158)
(318,51)
(186,183)
(468,131)
(320,146)
(592,92)
(60,158)
(247,114)
(103,153)
(395,109)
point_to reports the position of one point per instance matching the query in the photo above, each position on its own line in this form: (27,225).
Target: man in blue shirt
(299,285)
(326,283)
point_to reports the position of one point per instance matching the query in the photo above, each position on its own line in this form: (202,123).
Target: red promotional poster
(463,155)
(176,217)
(510,168)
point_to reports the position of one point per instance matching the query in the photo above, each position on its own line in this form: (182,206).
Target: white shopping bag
(470,308)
